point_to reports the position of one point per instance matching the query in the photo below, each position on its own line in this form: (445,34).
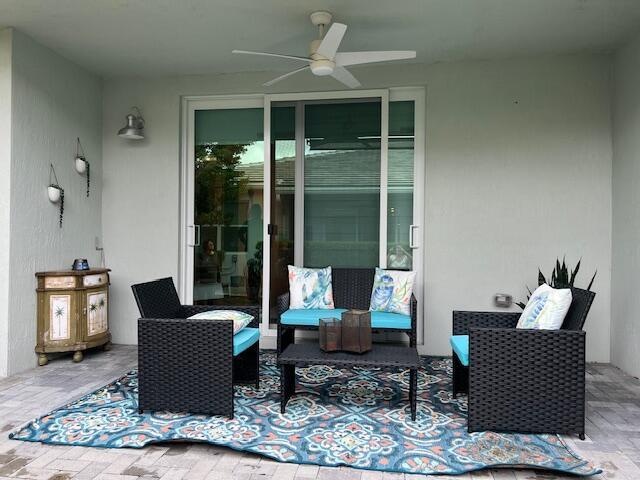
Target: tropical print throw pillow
(392,290)
(310,288)
(546,308)
(240,319)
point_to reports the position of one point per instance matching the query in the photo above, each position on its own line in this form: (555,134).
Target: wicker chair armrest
(283,303)
(188,310)
(502,347)
(413,308)
(464,320)
(153,332)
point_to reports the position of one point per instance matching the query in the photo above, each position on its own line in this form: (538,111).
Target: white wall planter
(81,165)
(54,193)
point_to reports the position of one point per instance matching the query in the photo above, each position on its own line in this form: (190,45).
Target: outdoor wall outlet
(503,300)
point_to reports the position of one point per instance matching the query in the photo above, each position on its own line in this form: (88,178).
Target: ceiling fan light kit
(324,58)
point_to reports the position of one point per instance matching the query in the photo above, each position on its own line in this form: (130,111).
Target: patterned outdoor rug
(358,418)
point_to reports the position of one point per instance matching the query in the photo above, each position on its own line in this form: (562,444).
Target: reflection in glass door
(342,183)
(228,206)
(401,229)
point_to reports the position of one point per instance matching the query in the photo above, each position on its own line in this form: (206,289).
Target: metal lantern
(356,331)
(330,334)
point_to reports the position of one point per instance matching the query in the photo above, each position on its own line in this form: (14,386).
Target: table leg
(413,392)
(287,384)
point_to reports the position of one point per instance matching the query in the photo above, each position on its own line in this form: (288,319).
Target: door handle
(412,229)
(196,236)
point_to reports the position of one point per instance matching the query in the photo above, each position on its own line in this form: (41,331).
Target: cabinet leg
(77,356)
(42,360)
(107,346)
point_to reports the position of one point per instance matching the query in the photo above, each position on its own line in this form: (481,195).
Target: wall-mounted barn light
(134,129)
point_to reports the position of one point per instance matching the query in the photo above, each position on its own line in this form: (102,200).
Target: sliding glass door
(226,207)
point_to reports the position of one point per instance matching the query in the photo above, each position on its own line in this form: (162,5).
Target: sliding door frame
(418,229)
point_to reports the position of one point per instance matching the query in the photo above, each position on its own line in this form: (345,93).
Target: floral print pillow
(546,308)
(392,290)
(310,288)
(240,319)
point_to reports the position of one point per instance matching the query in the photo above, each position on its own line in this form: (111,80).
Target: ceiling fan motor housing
(322,67)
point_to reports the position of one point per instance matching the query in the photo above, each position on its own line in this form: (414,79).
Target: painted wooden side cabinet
(73,312)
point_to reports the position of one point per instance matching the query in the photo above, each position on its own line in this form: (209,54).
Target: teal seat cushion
(390,320)
(244,339)
(311,318)
(460,345)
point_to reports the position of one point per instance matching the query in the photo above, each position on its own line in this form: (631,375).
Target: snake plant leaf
(541,279)
(521,305)
(574,273)
(592,279)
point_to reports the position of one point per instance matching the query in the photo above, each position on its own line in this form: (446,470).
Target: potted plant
(561,277)
(82,164)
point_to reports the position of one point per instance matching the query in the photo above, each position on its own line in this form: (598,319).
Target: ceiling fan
(324,58)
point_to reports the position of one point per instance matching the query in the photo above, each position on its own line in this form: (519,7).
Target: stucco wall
(5,185)
(518,172)
(54,101)
(625,305)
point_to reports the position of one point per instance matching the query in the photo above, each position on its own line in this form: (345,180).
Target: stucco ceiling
(170,37)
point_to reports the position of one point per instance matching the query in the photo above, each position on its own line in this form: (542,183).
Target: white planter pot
(81,165)
(54,194)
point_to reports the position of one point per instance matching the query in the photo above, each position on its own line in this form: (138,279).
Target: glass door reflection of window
(342,183)
(228,206)
(400,230)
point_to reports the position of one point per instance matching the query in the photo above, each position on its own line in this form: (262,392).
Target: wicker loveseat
(351,290)
(518,380)
(190,365)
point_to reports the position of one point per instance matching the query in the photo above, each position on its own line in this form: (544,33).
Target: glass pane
(283,169)
(229,160)
(400,193)
(342,184)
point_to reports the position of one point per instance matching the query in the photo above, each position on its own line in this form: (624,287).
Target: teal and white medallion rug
(359,418)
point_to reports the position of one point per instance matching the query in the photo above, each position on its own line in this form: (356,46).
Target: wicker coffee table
(380,356)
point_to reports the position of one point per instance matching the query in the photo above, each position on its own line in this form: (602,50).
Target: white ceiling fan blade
(331,41)
(266,54)
(357,58)
(343,75)
(282,77)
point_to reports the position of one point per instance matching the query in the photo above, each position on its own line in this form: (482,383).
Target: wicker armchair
(352,290)
(530,381)
(188,365)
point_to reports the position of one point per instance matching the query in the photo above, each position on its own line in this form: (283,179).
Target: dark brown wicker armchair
(530,381)
(188,365)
